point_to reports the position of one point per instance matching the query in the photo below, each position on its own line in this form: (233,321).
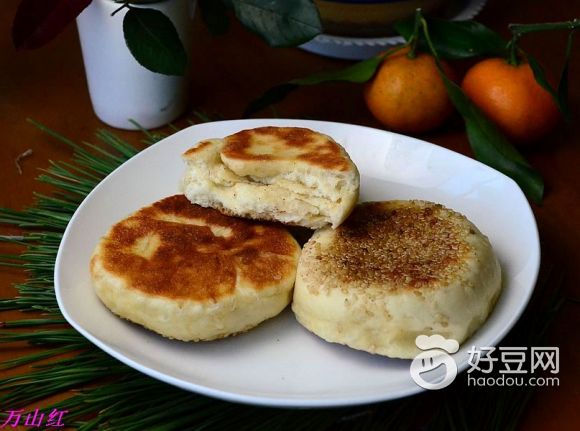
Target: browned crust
(198,148)
(395,244)
(189,261)
(311,148)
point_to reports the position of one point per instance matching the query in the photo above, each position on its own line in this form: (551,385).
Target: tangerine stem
(521,29)
(414,40)
(425,28)
(513,50)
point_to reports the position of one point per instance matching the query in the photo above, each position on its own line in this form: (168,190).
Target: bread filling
(292,197)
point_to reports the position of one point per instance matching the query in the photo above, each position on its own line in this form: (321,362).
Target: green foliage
(457,39)
(153,40)
(280,22)
(359,72)
(151,36)
(560,95)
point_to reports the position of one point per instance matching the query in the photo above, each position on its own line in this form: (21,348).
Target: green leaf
(280,22)
(153,40)
(560,95)
(541,79)
(457,39)
(563,84)
(215,16)
(358,73)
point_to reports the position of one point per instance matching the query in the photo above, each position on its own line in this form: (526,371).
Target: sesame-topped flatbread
(395,270)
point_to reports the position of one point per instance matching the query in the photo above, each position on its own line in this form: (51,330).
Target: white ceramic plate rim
(287,401)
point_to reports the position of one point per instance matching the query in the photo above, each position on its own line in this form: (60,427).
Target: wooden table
(49,86)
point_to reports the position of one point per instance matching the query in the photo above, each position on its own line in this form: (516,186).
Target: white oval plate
(280,363)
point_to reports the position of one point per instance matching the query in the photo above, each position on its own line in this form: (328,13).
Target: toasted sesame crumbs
(410,244)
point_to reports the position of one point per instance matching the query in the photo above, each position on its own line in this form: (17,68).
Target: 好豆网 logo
(434,368)
(436,352)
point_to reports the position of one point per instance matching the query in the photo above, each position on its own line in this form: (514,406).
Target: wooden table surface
(49,86)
